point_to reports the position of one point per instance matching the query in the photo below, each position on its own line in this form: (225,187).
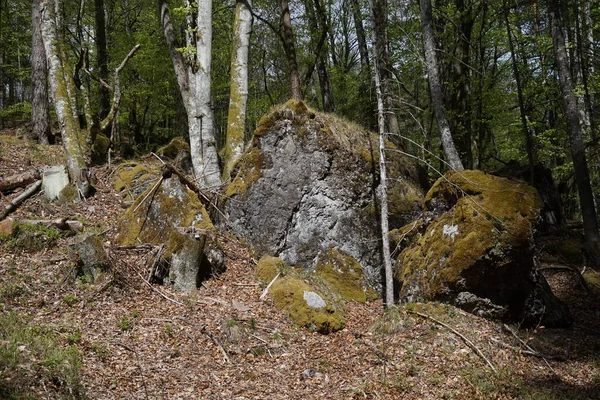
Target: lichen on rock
(133,178)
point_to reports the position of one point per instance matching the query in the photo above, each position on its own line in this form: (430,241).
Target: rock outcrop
(307,184)
(170,214)
(474,246)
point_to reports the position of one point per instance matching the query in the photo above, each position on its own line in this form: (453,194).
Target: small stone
(313,300)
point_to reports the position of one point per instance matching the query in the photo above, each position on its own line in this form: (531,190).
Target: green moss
(343,274)
(297,106)
(268,267)
(288,295)
(100,149)
(176,146)
(248,170)
(152,216)
(493,217)
(32,238)
(131,175)
(592,278)
(68,195)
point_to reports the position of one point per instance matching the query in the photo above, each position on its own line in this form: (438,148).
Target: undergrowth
(32,355)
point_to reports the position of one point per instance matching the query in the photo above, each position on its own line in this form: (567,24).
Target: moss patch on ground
(31,238)
(268,267)
(492,217)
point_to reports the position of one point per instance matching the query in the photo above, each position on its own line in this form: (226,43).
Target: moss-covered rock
(268,267)
(477,237)
(159,210)
(307,182)
(344,276)
(305,305)
(592,279)
(68,195)
(132,179)
(175,146)
(100,149)
(31,237)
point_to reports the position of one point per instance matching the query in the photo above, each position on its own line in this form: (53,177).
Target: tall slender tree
(582,176)
(435,87)
(39,81)
(290,50)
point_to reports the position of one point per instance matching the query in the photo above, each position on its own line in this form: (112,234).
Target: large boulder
(474,246)
(307,184)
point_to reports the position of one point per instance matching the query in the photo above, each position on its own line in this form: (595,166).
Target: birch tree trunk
(582,176)
(64,94)
(382,190)
(435,87)
(39,102)
(193,77)
(238,95)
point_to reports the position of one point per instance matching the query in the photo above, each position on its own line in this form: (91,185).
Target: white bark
(193,77)
(238,97)
(382,192)
(63,93)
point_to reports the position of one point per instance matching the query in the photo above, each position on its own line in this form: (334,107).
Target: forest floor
(121,338)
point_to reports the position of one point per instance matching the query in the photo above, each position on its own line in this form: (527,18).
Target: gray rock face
(311,187)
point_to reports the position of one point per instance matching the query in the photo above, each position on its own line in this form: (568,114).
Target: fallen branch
(463,337)
(22,179)
(565,268)
(529,350)
(159,292)
(139,364)
(16,202)
(212,337)
(264,293)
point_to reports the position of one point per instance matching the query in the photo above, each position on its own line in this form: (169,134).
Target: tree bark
(290,50)
(102,58)
(363,50)
(435,87)
(64,94)
(39,102)
(379,15)
(524,125)
(382,190)
(582,176)
(193,77)
(238,94)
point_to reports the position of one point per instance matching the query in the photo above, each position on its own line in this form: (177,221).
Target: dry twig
(463,337)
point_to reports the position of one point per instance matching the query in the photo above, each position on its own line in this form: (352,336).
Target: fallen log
(19,180)
(16,202)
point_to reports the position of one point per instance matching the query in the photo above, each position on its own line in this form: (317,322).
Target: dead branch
(16,202)
(463,337)
(264,293)
(212,337)
(169,168)
(159,292)
(139,364)
(22,179)
(566,268)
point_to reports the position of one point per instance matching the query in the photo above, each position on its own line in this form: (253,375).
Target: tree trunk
(39,102)
(238,94)
(64,94)
(379,15)
(193,77)
(435,87)
(582,177)
(290,50)
(363,50)
(102,58)
(524,126)
(382,190)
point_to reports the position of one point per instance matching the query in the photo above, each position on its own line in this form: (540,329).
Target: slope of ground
(142,341)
